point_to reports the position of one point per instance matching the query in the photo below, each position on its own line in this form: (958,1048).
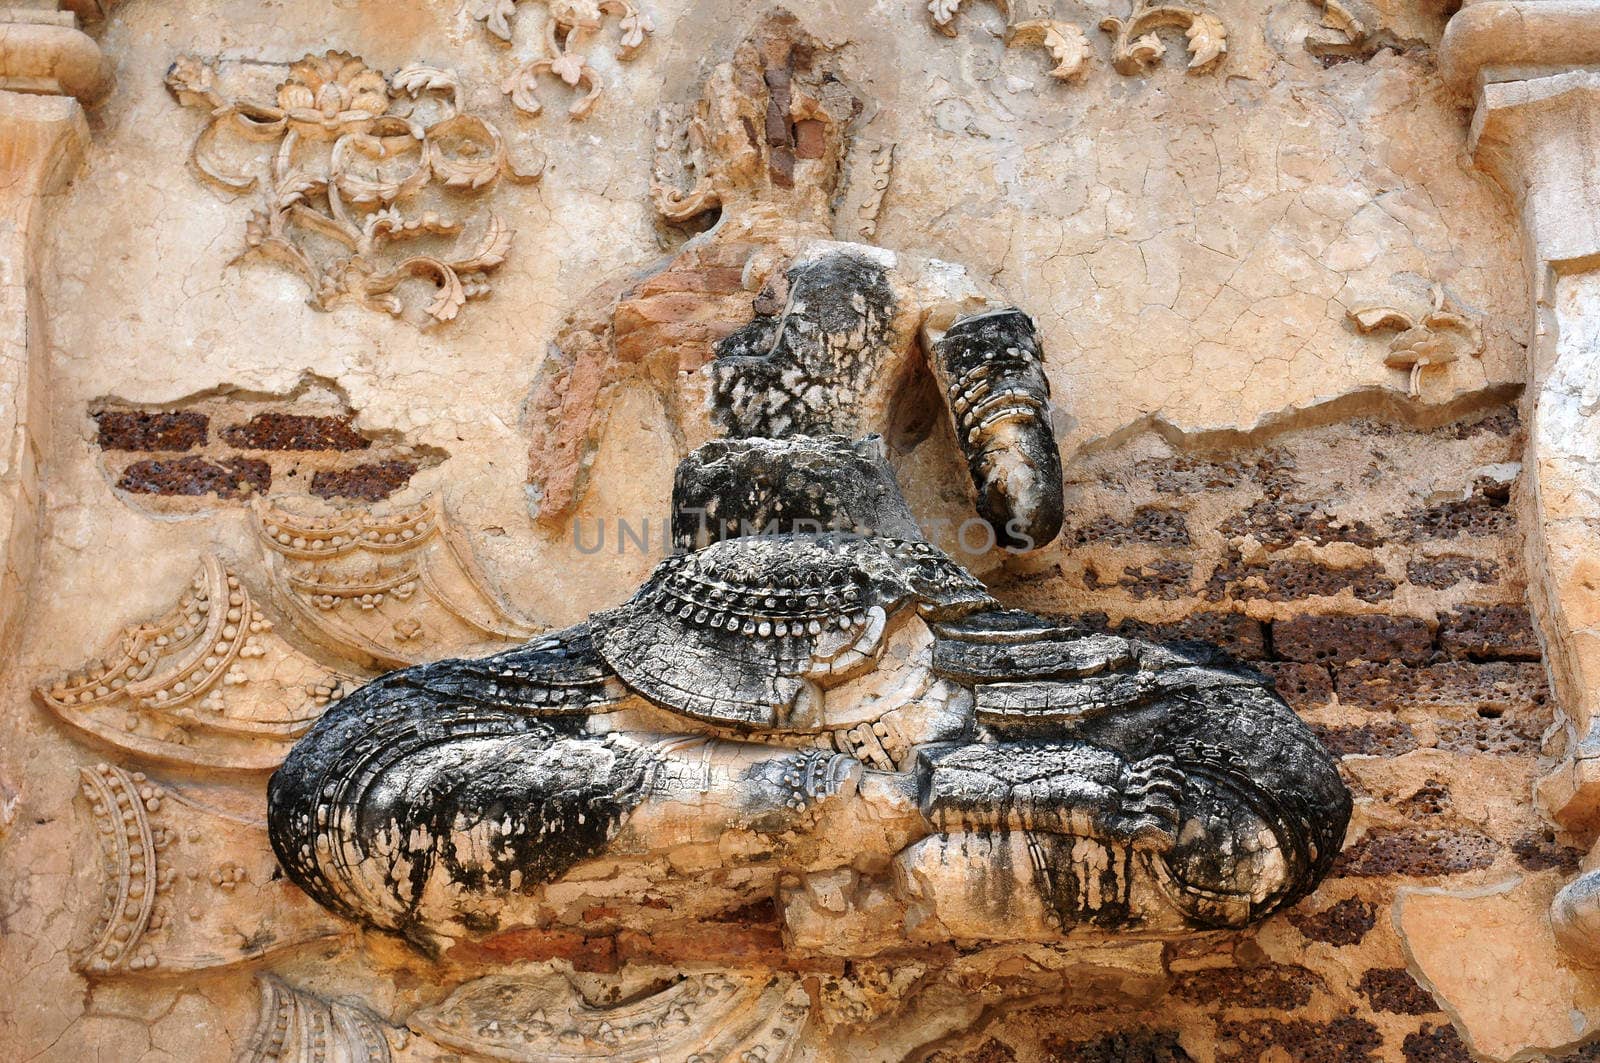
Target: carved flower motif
(1440,337)
(334,85)
(568,66)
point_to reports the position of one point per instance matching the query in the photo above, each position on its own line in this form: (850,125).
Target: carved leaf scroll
(1136,46)
(1067,45)
(1136,42)
(351,156)
(568,26)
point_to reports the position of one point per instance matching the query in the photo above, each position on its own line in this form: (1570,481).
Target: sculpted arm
(987,359)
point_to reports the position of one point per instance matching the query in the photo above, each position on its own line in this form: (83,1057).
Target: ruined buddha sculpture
(810,704)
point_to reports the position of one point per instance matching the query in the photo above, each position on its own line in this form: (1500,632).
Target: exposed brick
(1344,923)
(1184,474)
(1495,632)
(1290,580)
(1278,523)
(146,430)
(1498,420)
(1432,798)
(808,139)
(1486,511)
(1444,572)
(1342,1040)
(1235,634)
(367,483)
(1514,731)
(1167,580)
(1303,686)
(194,475)
(1502,421)
(1152,525)
(1540,851)
(1271,985)
(1143,1046)
(1418,853)
(1435,1044)
(1392,989)
(1386,738)
(1494,685)
(1345,639)
(294,431)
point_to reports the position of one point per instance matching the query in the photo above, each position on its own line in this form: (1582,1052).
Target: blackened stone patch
(1345,639)
(1540,851)
(1435,1044)
(1343,1040)
(1389,738)
(1152,525)
(147,430)
(1418,853)
(1493,632)
(294,431)
(1441,573)
(1344,923)
(779,375)
(1271,985)
(1392,989)
(368,483)
(231,478)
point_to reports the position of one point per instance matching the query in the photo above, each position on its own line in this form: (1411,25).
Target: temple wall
(1304,331)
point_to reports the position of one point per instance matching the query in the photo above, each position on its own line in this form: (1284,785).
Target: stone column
(49,69)
(1531,69)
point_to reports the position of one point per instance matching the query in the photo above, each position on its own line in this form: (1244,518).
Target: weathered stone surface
(1418,853)
(1342,640)
(1345,922)
(1313,408)
(1460,945)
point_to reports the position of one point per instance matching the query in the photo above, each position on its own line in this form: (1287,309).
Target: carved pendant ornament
(373,165)
(387,590)
(208,684)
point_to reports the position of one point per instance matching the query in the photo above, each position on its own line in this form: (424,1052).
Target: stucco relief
(348,154)
(1227,381)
